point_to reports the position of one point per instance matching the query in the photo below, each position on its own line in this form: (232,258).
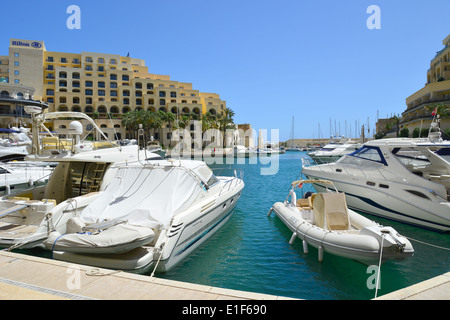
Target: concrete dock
(437,288)
(24,277)
(32,278)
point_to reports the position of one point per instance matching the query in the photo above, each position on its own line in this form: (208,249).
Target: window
(88,92)
(101,60)
(16,63)
(88,67)
(173,94)
(101,93)
(113,85)
(162,102)
(89,59)
(50,92)
(16,54)
(113,77)
(369,153)
(16,72)
(101,84)
(113,93)
(88,84)
(162,93)
(112,61)
(125,77)
(63,60)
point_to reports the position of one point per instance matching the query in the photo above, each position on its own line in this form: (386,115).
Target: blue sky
(270,60)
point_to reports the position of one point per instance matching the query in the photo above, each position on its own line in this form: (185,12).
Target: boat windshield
(370,153)
(444,153)
(410,156)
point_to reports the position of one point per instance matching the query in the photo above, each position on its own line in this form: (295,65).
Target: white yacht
(334,150)
(20,175)
(14,143)
(151,216)
(402,179)
(80,170)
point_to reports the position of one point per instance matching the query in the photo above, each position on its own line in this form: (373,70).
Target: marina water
(252,251)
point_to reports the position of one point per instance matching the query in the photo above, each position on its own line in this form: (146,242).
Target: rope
(428,244)
(379,266)
(159,258)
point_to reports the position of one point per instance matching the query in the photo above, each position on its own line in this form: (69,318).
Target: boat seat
(330,211)
(306,204)
(303,203)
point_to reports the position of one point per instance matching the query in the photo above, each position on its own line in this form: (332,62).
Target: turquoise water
(252,251)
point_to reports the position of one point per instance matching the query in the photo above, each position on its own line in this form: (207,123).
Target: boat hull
(356,245)
(398,206)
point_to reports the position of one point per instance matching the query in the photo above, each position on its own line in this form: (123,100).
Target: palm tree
(226,122)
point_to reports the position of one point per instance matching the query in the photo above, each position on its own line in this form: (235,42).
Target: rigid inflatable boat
(324,221)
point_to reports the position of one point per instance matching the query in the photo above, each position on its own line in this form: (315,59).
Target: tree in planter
(404,133)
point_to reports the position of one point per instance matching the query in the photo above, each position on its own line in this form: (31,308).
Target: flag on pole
(434,112)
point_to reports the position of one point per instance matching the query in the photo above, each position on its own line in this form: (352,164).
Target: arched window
(102,109)
(4,94)
(126,110)
(88,109)
(114,110)
(76,109)
(63,108)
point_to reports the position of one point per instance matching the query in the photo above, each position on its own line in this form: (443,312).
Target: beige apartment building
(104,86)
(436,91)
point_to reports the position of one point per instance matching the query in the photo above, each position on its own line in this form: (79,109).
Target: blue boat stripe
(190,244)
(377,205)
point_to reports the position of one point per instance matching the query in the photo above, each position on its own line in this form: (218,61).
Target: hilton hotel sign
(27,44)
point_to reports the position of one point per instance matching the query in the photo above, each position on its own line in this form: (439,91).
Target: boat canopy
(148,195)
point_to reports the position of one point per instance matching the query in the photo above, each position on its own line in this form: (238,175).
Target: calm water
(252,252)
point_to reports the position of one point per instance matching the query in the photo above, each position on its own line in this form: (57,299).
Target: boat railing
(233,182)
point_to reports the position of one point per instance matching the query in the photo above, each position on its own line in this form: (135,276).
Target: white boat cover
(148,195)
(117,239)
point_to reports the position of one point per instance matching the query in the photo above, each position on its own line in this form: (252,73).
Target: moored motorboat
(81,169)
(324,221)
(334,150)
(403,179)
(152,215)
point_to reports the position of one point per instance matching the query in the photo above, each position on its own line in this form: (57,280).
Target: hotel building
(436,91)
(104,86)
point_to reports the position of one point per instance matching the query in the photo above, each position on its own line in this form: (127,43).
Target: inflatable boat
(324,221)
